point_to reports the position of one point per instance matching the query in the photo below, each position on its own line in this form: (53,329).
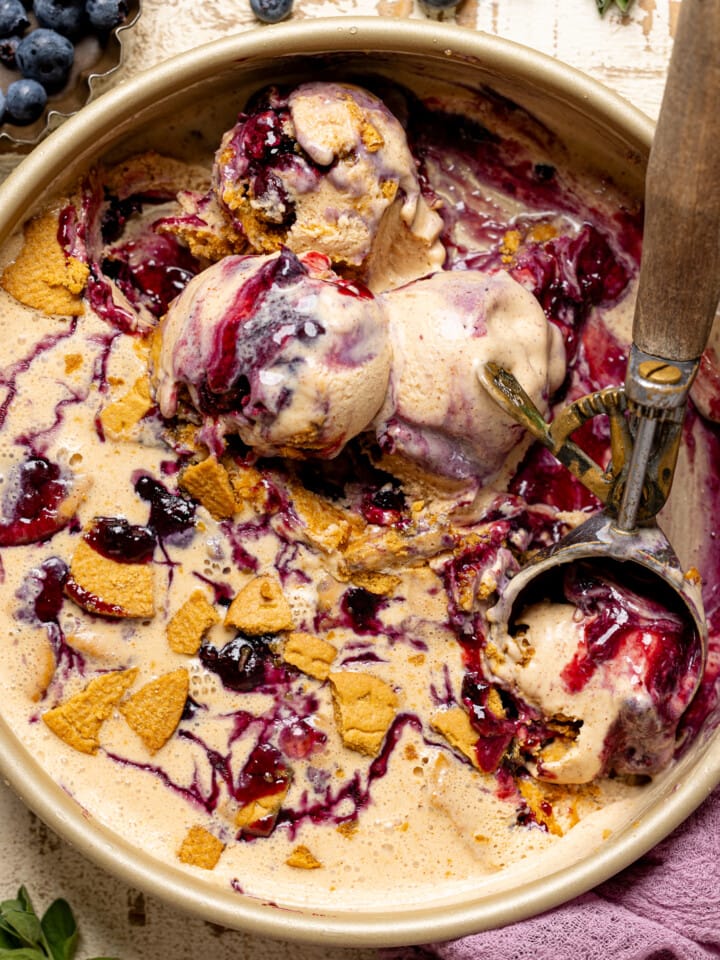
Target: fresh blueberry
(45,56)
(271,11)
(25,101)
(2,105)
(65,16)
(13,19)
(104,15)
(8,46)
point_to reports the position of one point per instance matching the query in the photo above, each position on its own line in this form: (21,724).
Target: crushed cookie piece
(200,848)
(381,584)
(510,245)
(260,607)
(73,361)
(542,232)
(155,710)
(105,586)
(247,484)
(78,720)
(310,654)
(348,828)
(42,276)
(365,706)
(455,726)
(188,625)
(303,859)
(324,525)
(119,417)
(208,483)
(258,816)
(539,803)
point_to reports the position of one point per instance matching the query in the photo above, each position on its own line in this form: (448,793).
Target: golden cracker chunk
(208,483)
(310,654)
(364,706)
(102,585)
(155,710)
(455,726)
(261,812)
(188,625)
(119,417)
(325,526)
(539,803)
(247,484)
(303,859)
(78,720)
(42,276)
(200,848)
(381,584)
(260,607)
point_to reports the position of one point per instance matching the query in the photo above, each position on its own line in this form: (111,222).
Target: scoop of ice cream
(277,349)
(437,421)
(611,670)
(327,168)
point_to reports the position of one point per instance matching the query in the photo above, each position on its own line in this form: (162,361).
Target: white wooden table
(629,54)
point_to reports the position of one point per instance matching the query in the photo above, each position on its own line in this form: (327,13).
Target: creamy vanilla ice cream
(278,349)
(245,620)
(443,329)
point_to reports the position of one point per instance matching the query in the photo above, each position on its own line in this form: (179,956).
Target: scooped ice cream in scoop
(279,350)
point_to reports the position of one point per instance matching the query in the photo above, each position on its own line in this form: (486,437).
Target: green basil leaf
(22,953)
(602,5)
(60,929)
(7,937)
(24,925)
(24,898)
(623,4)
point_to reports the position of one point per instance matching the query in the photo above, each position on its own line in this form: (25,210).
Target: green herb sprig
(603,5)
(25,936)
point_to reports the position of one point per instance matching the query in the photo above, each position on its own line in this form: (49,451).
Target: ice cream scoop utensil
(678,295)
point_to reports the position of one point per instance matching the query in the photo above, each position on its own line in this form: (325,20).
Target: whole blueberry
(8,46)
(105,15)
(13,19)
(271,11)
(45,56)
(25,101)
(65,16)
(2,105)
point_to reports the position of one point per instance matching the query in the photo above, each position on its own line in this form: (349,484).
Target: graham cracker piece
(303,859)
(200,848)
(119,417)
(260,814)
(325,526)
(364,706)
(78,720)
(538,800)
(155,710)
(310,654)
(260,607)
(188,625)
(42,276)
(455,726)
(247,484)
(208,483)
(102,585)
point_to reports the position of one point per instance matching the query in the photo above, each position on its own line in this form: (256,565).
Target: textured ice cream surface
(611,664)
(327,168)
(279,350)
(437,421)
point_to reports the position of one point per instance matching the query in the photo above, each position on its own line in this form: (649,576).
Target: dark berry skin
(45,56)
(25,101)
(105,15)
(240,664)
(65,16)
(2,105)
(8,46)
(13,19)
(271,11)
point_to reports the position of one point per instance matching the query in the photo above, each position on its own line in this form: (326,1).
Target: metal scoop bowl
(678,293)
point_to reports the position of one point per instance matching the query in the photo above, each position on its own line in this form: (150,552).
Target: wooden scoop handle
(679,284)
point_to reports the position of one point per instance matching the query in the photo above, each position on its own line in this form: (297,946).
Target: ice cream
(609,668)
(324,168)
(435,423)
(279,350)
(246,622)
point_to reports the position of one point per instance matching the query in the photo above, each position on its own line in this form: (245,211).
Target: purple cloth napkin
(666,906)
